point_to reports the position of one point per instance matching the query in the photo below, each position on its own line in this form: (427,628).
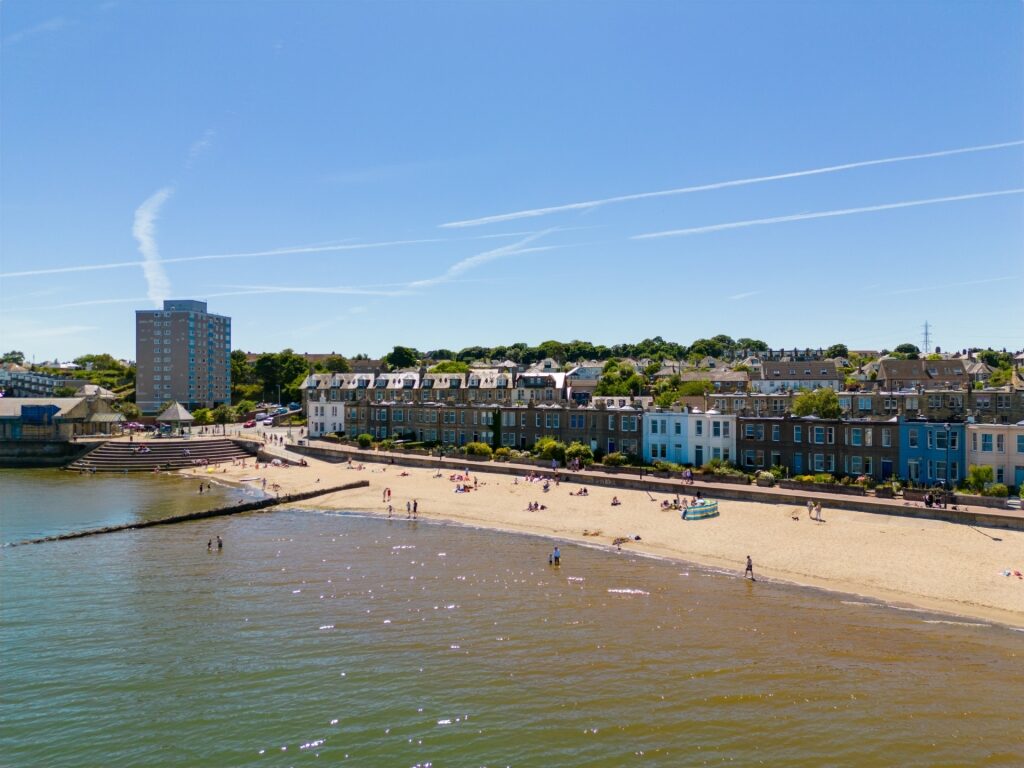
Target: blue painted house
(665,436)
(927,448)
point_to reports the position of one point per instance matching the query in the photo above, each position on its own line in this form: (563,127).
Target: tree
(910,351)
(675,390)
(243,407)
(478,449)
(823,403)
(837,350)
(548,448)
(223,414)
(100,362)
(202,416)
(402,357)
(450,366)
(755,345)
(14,356)
(241,370)
(706,348)
(129,410)
(336,364)
(553,349)
(578,450)
(365,440)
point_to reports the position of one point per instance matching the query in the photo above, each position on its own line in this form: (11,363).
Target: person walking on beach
(390,511)
(817,511)
(750,569)
(415,508)
(408,509)
(810,509)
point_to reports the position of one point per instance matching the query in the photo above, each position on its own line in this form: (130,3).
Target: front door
(798,463)
(698,456)
(886,469)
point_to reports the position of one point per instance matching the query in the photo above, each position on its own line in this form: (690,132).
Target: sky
(349,177)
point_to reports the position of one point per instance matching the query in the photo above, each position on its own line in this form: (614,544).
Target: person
(817,511)
(615,501)
(750,569)
(810,509)
(390,510)
(415,507)
(408,509)
(209,545)
(220,544)
(556,557)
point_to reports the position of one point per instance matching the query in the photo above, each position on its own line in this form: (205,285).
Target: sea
(331,638)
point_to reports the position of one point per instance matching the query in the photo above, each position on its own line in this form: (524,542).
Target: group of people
(412,508)
(813,511)
(220,544)
(535,506)
(581,492)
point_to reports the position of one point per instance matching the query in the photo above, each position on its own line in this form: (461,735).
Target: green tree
(577,450)
(202,417)
(241,370)
(823,403)
(837,350)
(553,349)
(478,449)
(64,391)
(336,364)
(450,366)
(706,348)
(365,440)
(100,362)
(548,448)
(909,351)
(14,356)
(223,414)
(129,410)
(755,345)
(243,407)
(402,357)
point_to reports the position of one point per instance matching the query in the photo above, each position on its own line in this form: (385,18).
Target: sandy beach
(927,564)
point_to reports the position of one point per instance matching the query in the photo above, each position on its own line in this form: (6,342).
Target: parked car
(294,406)
(281,411)
(260,416)
(268,422)
(250,424)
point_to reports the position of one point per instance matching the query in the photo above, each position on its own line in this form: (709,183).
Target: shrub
(996,489)
(504,453)
(478,449)
(578,450)
(766,474)
(614,459)
(823,477)
(978,477)
(387,444)
(667,466)
(364,440)
(549,448)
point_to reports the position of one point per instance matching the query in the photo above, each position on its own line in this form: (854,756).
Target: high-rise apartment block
(182,353)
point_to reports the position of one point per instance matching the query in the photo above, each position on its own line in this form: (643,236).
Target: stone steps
(119,456)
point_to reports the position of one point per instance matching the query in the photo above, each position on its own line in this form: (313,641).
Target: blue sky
(321,152)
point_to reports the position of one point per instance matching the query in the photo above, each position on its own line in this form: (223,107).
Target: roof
(10,407)
(807,370)
(176,412)
(719,374)
(95,390)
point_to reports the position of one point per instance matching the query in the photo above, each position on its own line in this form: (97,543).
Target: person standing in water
(556,557)
(220,544)
(750,569)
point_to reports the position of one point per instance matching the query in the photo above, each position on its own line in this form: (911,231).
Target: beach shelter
(176,415)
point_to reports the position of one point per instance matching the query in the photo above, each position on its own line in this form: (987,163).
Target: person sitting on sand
(615,501)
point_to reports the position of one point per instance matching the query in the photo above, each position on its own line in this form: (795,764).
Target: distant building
(182,353)
(1000,446)
(56,418)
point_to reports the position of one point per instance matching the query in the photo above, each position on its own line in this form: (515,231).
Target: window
(798,434)
(1000,443)
(1020,443)
(864,403)
(700,427)
(844,403)
(611,422)
(776,433)
(856,465)
(679,427)
(716,429)
(886,437)
(856,436)
(954,440)
(748,431)
(819,462)
(914,469)
(999,475)
(725,429)
(986,443)
(819,435)
(912,438)
(940,439)
(654,426)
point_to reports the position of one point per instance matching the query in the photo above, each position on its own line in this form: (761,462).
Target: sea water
(320,638)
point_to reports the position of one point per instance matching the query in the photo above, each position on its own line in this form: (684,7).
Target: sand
(928,564)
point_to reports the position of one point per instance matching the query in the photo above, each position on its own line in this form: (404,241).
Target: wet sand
(927,564)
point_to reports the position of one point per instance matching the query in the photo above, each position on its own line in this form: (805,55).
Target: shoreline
(903,563)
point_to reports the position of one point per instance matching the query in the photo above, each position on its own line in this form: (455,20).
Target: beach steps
(120,456)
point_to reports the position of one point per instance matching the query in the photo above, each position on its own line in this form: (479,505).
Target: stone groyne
(251,506)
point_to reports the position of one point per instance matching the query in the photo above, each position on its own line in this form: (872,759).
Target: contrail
(144,231)
(251,254)
(722,185)
(822,214)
